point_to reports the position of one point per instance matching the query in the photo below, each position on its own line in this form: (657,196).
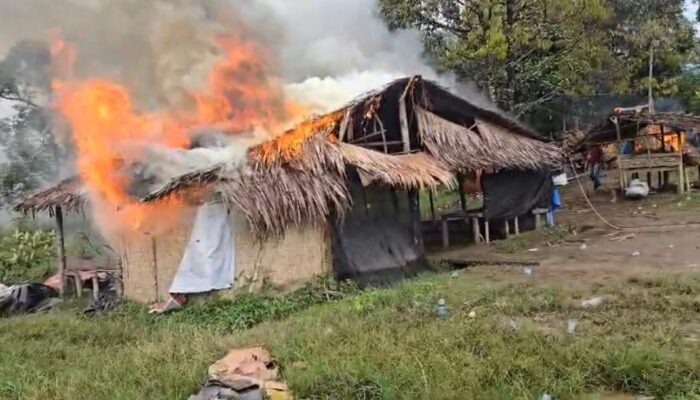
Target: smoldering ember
(349,199)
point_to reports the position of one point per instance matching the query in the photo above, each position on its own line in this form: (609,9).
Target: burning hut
(339,193)
(643,142)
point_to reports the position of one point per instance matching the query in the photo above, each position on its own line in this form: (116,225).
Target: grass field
(381,344)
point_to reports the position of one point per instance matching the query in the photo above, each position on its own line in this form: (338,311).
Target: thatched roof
(632,121)
(408,171)
(484,146)
(69,194)
(299,177)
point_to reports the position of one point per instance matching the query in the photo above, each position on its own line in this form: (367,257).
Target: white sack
(637,189)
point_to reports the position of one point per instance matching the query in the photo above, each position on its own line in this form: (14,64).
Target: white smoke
(335,50)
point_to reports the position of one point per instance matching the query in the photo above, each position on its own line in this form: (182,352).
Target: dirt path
(599,253)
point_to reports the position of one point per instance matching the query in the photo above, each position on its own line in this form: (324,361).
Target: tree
(524,53)
(31,152)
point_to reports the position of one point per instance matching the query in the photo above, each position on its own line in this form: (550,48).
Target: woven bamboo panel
(650,161)
(295,258)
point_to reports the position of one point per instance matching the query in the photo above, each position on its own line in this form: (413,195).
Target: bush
(26,255)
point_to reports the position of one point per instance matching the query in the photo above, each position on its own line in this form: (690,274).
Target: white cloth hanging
(208,261)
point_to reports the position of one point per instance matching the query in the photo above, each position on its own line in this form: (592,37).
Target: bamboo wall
(297,257)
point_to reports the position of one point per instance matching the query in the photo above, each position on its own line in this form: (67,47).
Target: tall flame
(106,124)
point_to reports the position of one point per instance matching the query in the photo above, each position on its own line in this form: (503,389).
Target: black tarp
(375,242)
(512,193)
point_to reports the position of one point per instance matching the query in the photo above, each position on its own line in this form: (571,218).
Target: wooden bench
(472,218)
(538,213)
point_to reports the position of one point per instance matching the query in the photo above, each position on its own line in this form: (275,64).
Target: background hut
(653,145)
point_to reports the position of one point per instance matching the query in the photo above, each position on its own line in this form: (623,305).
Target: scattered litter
(571,326)
(472,314)
(454,274)
(527,271)
(245,374)
(636,254)
(441,309)
(583,246)
(653,206)
(623,237)
(545,396)
(512,325)
(670,246)
(533,250)
(693,265)
(594,301)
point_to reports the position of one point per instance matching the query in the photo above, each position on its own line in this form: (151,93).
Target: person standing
(595,164)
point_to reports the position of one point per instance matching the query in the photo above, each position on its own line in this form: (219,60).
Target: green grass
(530,239)
(380,344)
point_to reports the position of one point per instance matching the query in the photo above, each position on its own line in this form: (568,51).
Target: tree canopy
(526,53)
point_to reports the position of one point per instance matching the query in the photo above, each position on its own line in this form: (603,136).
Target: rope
(590,204)
(622,228)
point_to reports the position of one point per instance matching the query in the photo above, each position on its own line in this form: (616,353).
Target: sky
(691,11)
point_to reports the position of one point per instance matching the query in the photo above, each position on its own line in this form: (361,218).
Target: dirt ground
(663,237)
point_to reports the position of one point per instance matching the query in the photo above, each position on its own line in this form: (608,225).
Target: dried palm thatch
(69,194)
(274,194)
(483,146)
(409,171)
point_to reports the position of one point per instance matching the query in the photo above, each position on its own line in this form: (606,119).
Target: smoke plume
(315,54)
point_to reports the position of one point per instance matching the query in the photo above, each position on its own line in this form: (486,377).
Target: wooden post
(95,287)
(507,228)
(154,248)
(487,231)
(517,226)
(414,207)
(659,178)
(61,249)
(538,221)
(619,155)
(445,232)
(462,196)
(403,120)
(432,205)
(476,230)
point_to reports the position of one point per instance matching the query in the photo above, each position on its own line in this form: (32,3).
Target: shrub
(26,255)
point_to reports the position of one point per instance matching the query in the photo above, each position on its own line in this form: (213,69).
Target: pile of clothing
(27,298)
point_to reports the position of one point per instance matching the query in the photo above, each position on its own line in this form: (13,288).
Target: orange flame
(105,123)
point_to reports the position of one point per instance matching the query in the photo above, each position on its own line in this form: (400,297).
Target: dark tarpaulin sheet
(374,244)
(512,193)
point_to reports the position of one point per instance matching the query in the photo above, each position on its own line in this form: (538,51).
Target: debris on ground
(571,326)
(441,309)
(636,254)
(623,237)
(169,305)
(583,246)
(104,303)
(472,314)
(27,299)
(244,374)
(527,271)
(594,302)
